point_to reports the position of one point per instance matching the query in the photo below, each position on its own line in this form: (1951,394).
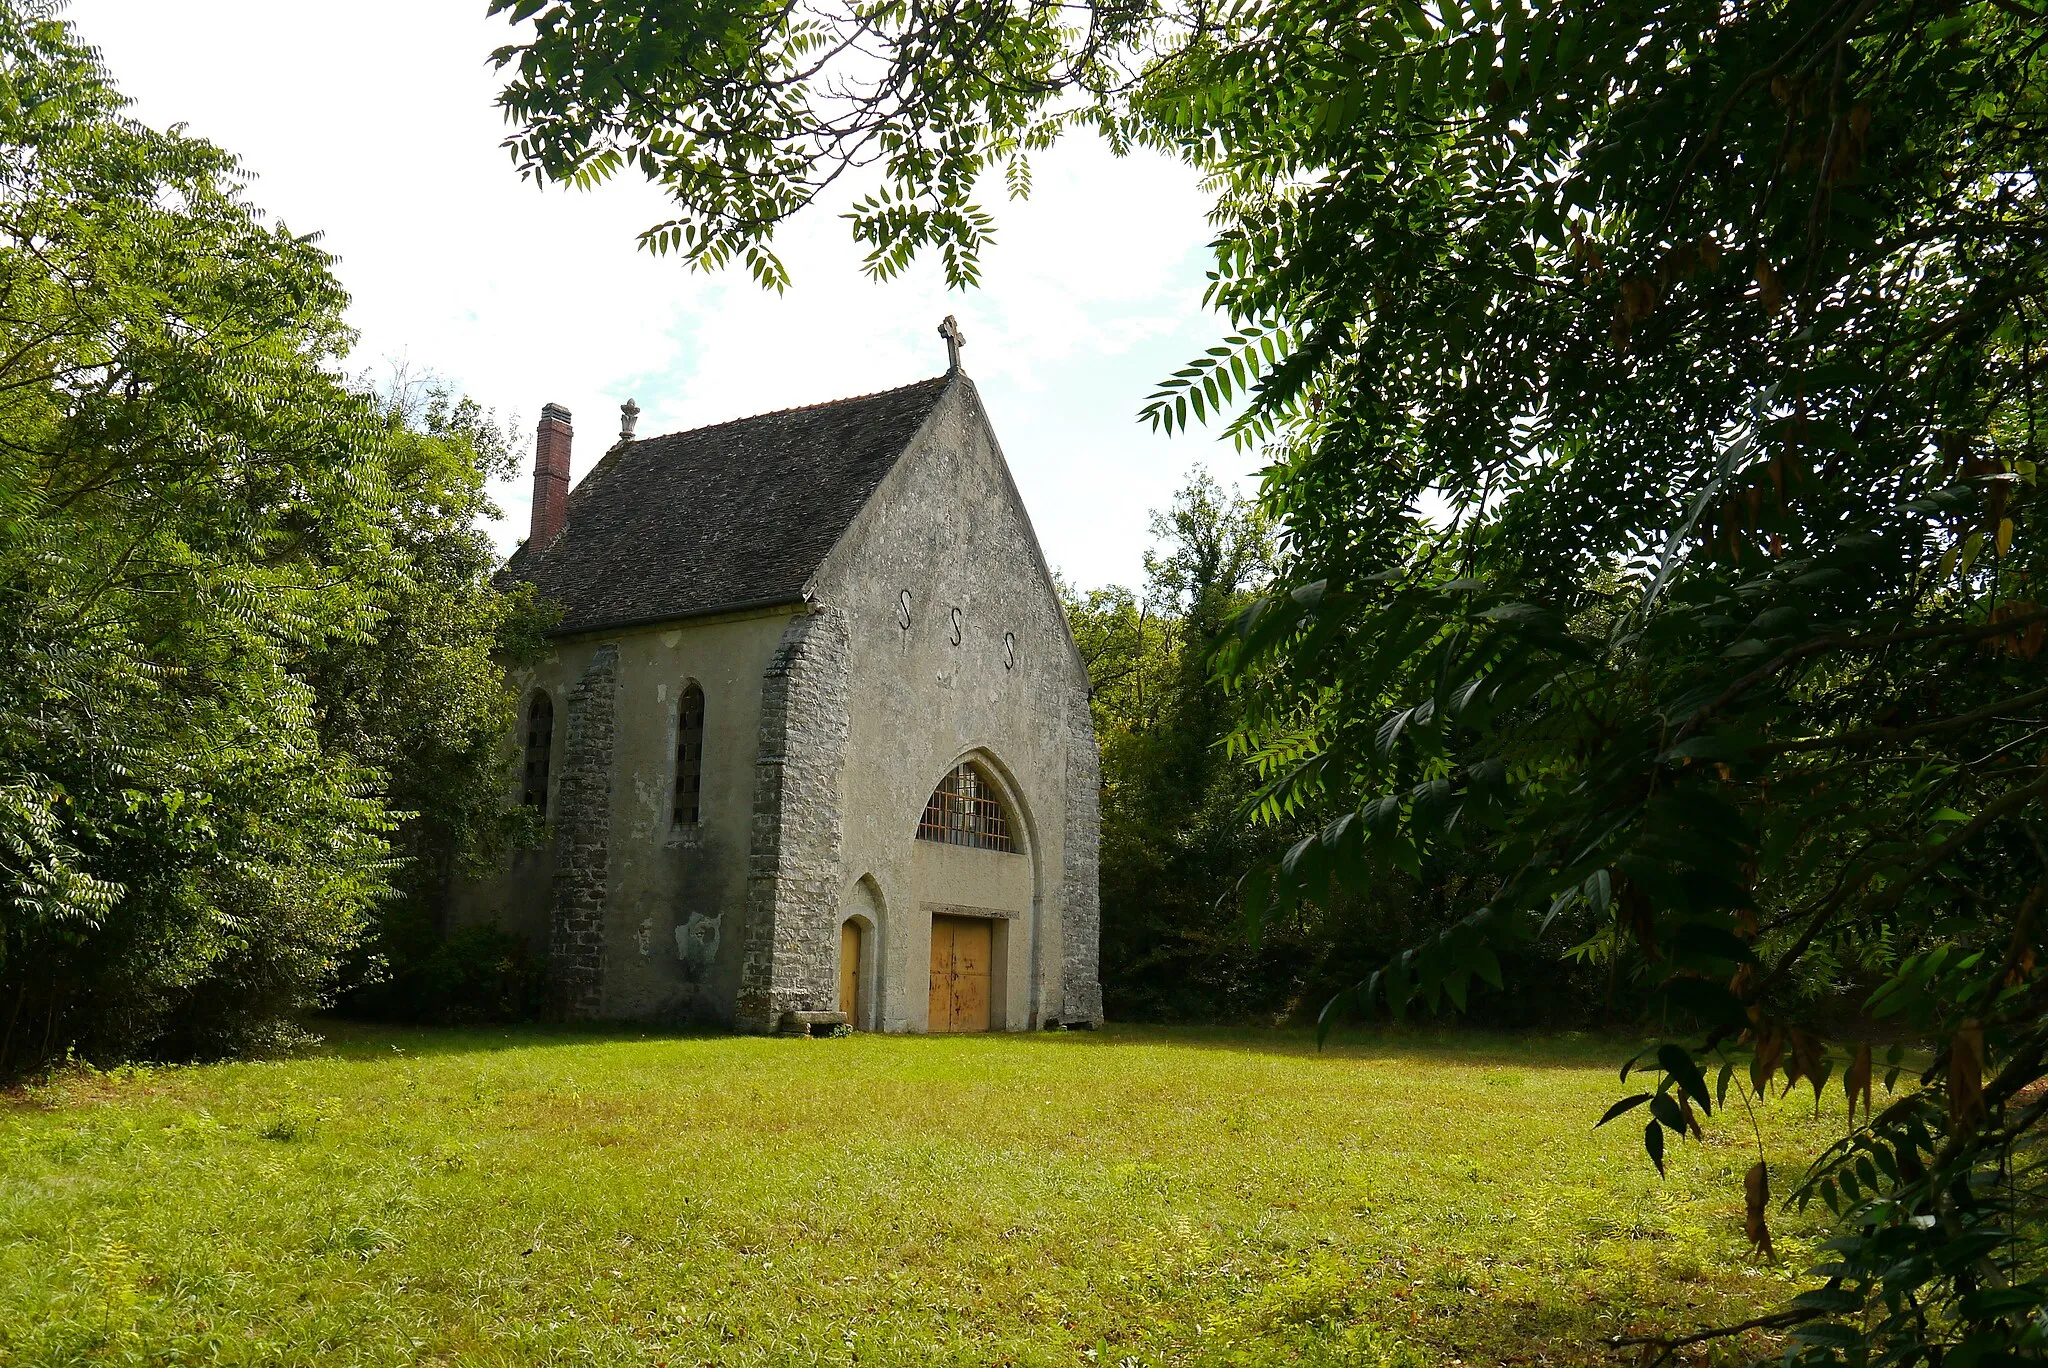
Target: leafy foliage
(1651,390)
(1172,835)
(1658,460)
(423,699)
(1174,840)
(747,111)
(240,598)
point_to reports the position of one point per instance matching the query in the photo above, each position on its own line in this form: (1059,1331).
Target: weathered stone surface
(1081,930)
(941,641)
(793,872)
(976,666)
(583,821)
(814,1024)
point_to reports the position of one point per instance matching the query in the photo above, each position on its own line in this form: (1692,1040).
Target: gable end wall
(948,526)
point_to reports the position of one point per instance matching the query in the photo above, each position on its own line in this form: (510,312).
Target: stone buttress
(1081,916)
(793,870)
(583,822)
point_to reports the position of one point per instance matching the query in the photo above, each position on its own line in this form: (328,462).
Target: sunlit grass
(1131,1196)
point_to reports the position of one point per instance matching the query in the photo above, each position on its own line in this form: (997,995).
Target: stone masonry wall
(1081,926)
(583,823)
(960,649)
(793,870)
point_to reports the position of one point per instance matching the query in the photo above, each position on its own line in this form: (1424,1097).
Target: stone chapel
(812,742)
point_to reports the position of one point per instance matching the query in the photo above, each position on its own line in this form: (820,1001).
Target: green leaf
(1678,1062)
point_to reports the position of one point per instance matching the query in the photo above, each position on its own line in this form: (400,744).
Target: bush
(478,974)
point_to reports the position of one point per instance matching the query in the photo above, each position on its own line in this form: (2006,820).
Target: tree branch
(1667,1346)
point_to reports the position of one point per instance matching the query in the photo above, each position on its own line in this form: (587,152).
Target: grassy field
(1131,1197)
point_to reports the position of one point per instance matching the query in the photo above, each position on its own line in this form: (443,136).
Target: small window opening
(964,810)
(690,756)
(540,745)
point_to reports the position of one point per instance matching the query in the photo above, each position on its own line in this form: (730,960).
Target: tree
(208,542)
(423,699)
(1659,453)
(1651,391)
(747,111)
(1175,841)
(1172,834)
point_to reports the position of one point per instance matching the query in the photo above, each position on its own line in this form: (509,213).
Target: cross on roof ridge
(955,340)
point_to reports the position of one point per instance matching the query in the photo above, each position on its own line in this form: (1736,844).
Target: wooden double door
(962,948)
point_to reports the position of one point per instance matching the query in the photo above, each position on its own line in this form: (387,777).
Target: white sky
(372,122)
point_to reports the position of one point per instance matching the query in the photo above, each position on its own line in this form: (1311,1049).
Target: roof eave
(759,605)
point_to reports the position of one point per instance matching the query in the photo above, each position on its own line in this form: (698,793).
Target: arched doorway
(971,874)
(850,958)
(860,954)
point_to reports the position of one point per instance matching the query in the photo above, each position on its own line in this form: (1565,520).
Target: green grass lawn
(1131,1196)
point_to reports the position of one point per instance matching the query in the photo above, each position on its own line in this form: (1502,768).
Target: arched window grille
(964,810)
(540,747)
(690,756)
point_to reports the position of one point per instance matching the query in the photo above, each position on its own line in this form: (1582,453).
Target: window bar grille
(964,811)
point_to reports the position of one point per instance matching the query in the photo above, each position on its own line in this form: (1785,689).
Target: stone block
(793,868)
(583,816)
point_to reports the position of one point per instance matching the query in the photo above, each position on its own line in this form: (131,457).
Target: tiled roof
(734,514)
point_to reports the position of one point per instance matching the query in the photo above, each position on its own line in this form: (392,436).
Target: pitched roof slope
(737,513)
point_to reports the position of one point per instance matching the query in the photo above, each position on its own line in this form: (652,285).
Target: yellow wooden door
(849,971)
(961,950)
(972,942)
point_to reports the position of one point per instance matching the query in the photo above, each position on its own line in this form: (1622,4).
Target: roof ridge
(797,408)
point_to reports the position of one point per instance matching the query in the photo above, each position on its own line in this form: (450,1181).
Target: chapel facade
(813,741)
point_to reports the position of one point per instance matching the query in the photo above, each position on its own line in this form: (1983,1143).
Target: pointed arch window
(964,810)
(540,747)
(690,756)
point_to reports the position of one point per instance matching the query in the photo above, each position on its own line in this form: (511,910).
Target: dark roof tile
(734,514)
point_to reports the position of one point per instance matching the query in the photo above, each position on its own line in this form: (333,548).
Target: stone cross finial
(629,418)
(955,340)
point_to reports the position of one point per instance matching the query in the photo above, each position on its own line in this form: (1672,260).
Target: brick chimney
(550,476)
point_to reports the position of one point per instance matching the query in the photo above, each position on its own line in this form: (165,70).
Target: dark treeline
(1179,832)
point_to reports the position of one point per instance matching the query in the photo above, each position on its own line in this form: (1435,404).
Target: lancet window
(690,756)
(540,747)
